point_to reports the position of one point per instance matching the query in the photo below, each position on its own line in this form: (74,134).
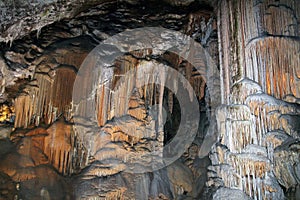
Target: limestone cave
(149,99)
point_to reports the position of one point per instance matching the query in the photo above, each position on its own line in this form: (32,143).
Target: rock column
(259,64)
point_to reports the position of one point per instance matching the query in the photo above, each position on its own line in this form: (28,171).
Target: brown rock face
(31,173)
(52,135)
(59,147)
(48,94)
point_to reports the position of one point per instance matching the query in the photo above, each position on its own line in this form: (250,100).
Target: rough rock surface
(43,44)
(258,149)
(38,69)
(230,194)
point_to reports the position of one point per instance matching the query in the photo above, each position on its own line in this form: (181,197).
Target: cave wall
(258,148)
(38,72)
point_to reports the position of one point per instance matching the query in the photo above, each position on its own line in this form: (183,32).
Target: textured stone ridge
(21,17)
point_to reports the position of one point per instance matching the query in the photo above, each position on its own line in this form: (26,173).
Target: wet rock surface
(44,156)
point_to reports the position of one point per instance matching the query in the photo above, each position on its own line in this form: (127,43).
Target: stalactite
(236,126)
(160,102)
(279,75)
(170,101)
(61,96)
(113,122)
(253,170)
(56,148)
(258,58)
(24,110)
(269,114)
(258,36)
(45,99)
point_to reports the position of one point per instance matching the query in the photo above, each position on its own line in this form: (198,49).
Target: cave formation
(135,99)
